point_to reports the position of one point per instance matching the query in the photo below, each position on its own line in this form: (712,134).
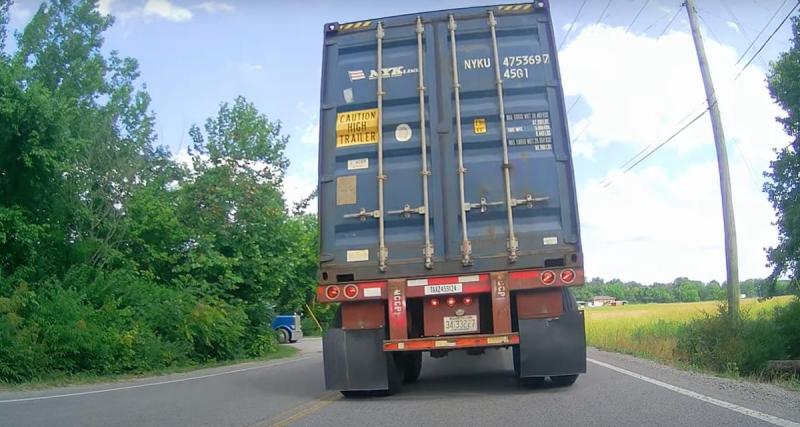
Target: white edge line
(721,403)
(179,380)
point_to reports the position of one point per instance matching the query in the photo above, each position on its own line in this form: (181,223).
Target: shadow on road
(460,374)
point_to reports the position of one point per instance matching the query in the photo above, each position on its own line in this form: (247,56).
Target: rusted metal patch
(346,190)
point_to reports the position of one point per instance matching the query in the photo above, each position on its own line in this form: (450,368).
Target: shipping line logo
(387,72)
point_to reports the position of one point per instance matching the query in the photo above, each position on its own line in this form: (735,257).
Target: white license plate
(454,324)
(453,288)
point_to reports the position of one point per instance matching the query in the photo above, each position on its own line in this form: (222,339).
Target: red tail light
(351,291)
(548,277)
(435,302)
(467,300)
(332,292)
(568,276)
(451,301)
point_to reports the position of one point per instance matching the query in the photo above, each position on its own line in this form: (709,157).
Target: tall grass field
(688,333)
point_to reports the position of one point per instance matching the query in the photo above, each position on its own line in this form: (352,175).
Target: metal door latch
(407,211)
(363,214)
(529,200)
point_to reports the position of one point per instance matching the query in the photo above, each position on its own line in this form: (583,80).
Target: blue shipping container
(476,92)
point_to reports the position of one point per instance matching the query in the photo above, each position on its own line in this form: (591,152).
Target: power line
(635,17)
(744,33)
(572,25)
(677,12)
(643,150)
(603,13)
(573,103)
(678,132)
(661,18)
(786,18)
(764,28)
(708,27)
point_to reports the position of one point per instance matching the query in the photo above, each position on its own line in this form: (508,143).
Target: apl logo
(387,73)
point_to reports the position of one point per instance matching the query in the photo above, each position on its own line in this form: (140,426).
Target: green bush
(309,327)
(119,322)
(712,342)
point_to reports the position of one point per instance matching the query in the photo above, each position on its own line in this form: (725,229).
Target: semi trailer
(447,203)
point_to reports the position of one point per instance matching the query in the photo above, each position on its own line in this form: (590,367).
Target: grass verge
(283,351)
(698,336)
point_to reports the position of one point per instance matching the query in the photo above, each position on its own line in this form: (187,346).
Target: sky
(632,86)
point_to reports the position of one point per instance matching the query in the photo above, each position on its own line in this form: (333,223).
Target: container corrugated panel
(541,180)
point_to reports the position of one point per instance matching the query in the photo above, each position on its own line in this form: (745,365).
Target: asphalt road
(456,390)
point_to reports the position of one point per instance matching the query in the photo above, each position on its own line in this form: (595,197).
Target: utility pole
(731,258)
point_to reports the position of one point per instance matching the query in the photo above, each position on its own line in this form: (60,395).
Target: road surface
(457,390)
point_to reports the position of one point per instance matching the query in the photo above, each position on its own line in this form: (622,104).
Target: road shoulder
(300,350)
(767,398)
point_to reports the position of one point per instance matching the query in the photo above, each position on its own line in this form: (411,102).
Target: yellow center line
(300,411)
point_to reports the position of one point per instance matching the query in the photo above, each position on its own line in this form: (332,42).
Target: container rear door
(540,184)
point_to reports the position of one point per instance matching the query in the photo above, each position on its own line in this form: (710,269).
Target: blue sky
(633,88)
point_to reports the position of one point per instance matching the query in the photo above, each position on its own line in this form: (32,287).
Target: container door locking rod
(513,245)
(466,246)
(427,250)
(383,252)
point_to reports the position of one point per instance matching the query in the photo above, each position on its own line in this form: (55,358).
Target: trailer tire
(412,366)
(395,374)
(564,380)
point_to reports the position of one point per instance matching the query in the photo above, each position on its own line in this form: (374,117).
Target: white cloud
(655,225)
(167,10)
(310,134)
(299,182)
(640,88)
(104,6)
(663,219)
(215,6)
(733,26)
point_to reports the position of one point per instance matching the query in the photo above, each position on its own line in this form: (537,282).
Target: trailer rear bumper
(451,342)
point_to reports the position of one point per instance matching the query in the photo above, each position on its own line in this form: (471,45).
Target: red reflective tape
(366,291)
(452,342)
(398,319)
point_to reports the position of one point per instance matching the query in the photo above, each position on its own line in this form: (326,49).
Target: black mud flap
(354,360)
(554,346)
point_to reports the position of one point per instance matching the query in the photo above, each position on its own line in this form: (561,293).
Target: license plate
(460,324)
(453,288)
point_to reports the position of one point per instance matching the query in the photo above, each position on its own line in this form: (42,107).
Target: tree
(782,186)
(4,24)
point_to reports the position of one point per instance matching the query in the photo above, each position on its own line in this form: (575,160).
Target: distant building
(601,300)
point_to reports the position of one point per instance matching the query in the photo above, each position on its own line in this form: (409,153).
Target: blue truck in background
(288,328)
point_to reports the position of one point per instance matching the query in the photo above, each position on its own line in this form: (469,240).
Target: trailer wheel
(412,366)
(395,373)
(564,380)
